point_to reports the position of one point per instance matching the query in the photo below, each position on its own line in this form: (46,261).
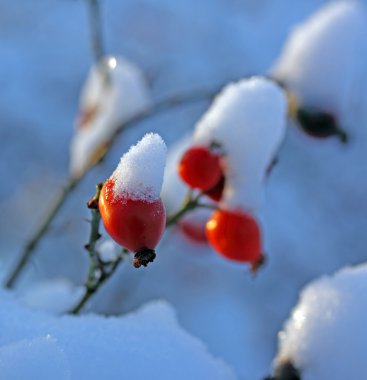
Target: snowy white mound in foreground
(115,91)
(147,344)
(323,57)
(326,337)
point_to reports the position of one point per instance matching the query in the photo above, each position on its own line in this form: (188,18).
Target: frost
(115,91)
(247,119)
(140,171)
(326,336)
(148,343)
(322,60)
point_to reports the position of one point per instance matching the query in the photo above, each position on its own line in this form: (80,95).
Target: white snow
(140,171)
(108,250)
(326,336)
(115,91)
(147,343)
(39,358)
(314,217)
(248,120)
(323,59)
(55,295)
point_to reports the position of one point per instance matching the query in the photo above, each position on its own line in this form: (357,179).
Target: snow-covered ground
(204,317)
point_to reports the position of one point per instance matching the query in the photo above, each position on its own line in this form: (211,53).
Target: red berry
(235,235)
(194,230)
(200,168)
(133,223)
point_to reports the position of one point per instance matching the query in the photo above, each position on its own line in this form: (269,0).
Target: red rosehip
(200,168)
(136,224)
(235,235)
(193,230)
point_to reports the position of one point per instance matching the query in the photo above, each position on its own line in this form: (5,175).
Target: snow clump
(326,336)
(140,171)
(248,120)
(322,60)
(114,92)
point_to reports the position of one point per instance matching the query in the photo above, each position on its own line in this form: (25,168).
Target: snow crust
(140,171)
(115,90)
(323,58)
(147,343)
(248,120)
(326,336)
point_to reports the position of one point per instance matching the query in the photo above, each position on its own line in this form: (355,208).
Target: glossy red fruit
(137,225)
(200,168)
(235,235)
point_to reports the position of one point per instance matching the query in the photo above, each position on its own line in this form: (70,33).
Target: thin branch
(40,232)
(161,106)
(96,29)
(99,271)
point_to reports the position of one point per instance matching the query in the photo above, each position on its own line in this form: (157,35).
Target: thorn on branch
(92,204)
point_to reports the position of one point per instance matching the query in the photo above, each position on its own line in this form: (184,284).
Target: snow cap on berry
(140,171)
(247,119)
(114,91)
(324,58)
(326,336)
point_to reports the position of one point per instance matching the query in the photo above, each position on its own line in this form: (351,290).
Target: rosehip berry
(200,168)
(235,235)
(194,230)
(136,224)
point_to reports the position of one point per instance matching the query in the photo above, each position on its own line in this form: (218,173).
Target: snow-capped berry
(323,60)
(115,90)
(130,205)
(200,168)
(235,235)
(248,120)
(136,224)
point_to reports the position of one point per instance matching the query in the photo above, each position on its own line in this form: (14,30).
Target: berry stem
(190,203)
(99,271)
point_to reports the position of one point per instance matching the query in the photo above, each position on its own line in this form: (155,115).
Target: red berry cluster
(233,233)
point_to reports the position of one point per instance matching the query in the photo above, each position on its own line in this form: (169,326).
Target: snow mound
(114,92)
(326,336)
(146,344)
(247,119)
(39,358)
(140,171)
(323,57)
